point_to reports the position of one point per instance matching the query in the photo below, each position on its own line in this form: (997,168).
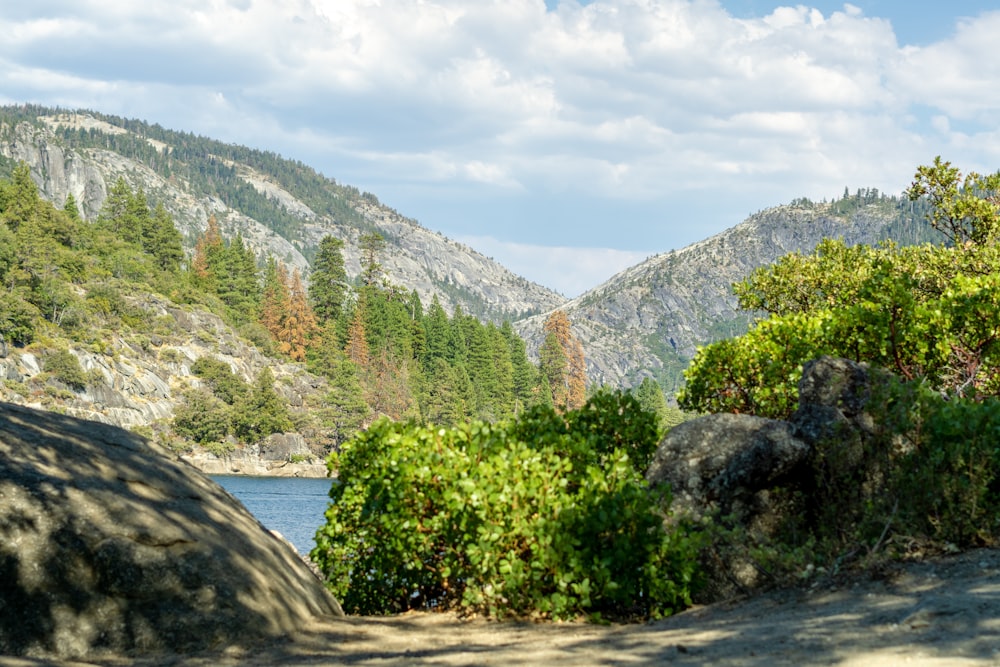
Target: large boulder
(722,461)
(761,476)
(110,544)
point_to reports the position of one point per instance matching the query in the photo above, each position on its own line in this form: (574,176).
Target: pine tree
(554,366)
(299,327)
(443,403)
(206,248)
(20,198)
(71,209)
(348,410)
(524,376)
(262,412)
(328,286)
(437,334)
(357,340)
(234,270)
(275,299)
(372,246)
(162,240)
(563,363)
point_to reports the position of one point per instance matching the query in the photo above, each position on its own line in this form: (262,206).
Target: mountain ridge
(646,321)
(61,149)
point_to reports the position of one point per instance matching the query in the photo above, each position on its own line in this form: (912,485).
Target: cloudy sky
(566,139)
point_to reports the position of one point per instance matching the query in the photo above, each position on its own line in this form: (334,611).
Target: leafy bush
(18,319)
(202,417)
(65,367)
(220,378)
(479,518)
(947,483)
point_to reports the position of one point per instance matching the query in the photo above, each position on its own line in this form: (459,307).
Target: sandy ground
(940,612)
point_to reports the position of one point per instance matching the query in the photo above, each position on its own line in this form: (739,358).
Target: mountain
(279,207)
(649,320)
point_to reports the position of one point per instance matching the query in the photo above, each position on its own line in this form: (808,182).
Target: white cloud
(653,101)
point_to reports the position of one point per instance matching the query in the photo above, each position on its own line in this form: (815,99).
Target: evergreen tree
(163,241)
(651,399)
(348,410)
(443,402)
(554,366)
(262,412)
(71,209)
(20,200)
(437,334)
(565,367)
(299,327)
(235,276)
(328,286)
(206,249)
(372,246)
(123,213)
(524,375)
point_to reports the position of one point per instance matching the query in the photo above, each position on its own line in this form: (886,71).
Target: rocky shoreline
(241,462)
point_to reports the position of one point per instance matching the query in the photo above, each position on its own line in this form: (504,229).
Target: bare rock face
(109,544)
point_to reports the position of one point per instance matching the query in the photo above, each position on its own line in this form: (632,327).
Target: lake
(293,506)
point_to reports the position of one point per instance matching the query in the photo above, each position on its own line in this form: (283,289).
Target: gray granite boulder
(721,461)
(110,544)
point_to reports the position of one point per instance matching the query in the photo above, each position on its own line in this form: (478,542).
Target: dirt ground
(940,612)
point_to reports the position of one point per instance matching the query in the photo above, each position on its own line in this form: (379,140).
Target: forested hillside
(110,318)
(280,207)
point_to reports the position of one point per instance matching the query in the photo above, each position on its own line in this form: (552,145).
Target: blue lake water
(293,506)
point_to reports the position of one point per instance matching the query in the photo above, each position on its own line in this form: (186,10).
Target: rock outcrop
(280,455)
(759,475)
(721,461)
(651,318)
(110,544)
(718,462)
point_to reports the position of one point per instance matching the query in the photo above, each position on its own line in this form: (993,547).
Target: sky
(566,139)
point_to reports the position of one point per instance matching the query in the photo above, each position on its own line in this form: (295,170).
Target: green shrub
(202,417)
(65,367)
(18,319)
(220,378)
(477,518)
(948,485)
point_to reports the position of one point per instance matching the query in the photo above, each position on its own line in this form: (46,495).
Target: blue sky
(566,139)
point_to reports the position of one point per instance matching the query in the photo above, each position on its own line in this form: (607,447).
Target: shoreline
(252,466)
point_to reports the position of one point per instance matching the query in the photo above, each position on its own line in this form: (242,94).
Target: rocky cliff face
(136,380)
(416,257)
(650,319)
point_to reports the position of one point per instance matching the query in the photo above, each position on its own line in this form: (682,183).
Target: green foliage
(615,421)
(65,367)
(328,286)
(478,517)
(202,417)
(18,319)
(948,482)
(924,312)
(261,412)
(964,210)
(220,378)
